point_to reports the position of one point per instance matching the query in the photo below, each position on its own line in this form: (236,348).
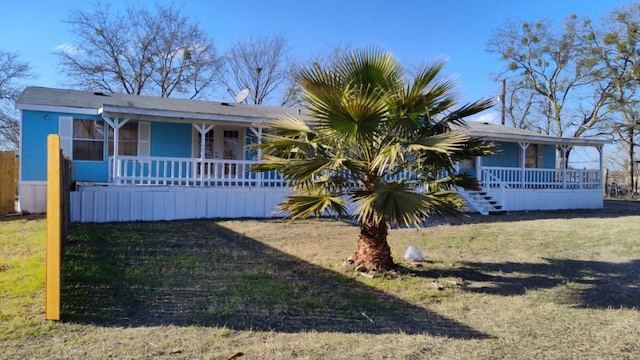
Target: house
(525,173)
(147,158)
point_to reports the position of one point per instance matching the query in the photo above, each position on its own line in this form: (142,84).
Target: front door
(223,143)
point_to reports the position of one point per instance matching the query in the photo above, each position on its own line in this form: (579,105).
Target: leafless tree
(551,89)
(264,66)
(614,49)
(151,52)
(11,71)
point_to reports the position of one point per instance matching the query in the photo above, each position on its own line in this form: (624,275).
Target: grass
(565,286)
(21,277)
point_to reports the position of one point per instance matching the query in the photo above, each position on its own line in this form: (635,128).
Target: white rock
(413,254)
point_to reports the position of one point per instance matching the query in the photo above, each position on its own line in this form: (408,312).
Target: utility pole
(502,100)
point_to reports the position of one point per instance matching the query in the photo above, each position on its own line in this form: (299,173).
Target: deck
(153,188)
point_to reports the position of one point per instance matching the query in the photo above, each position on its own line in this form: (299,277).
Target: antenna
(242,95)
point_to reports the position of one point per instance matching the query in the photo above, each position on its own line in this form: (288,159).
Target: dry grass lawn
(553,285)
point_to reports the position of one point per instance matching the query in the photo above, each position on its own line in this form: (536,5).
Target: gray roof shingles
(200,109)
(42,96)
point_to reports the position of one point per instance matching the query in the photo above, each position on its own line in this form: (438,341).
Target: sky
(415,31)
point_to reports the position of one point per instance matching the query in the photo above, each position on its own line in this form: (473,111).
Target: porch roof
(145,107)
(495,132)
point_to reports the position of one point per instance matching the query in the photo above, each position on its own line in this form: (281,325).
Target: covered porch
(150,188)
(537,179)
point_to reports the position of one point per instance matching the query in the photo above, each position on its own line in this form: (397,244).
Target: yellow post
(53,256)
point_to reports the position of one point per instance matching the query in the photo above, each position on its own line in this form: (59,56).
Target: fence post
(54,228)
(7,181)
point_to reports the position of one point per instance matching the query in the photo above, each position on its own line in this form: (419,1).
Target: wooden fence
(8,181)
(58,187)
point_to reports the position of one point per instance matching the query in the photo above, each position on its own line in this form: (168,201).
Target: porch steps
(482,202)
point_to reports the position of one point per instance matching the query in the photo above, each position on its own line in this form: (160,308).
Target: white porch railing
(133,170)
(525,178)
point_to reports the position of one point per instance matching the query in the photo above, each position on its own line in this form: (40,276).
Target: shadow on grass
(583,284)
(610,209)
(200,273)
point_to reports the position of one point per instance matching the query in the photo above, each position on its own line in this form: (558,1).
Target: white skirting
(32,196)
(552,199)
(153,203)
(138,203)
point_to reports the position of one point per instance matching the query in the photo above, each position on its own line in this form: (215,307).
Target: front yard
(558,285)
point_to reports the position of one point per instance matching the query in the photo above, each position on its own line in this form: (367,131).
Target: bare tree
(11,70)
(159,52)
(614,54)
(262,65)
(552,91)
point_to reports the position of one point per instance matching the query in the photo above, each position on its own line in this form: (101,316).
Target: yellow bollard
(53,256)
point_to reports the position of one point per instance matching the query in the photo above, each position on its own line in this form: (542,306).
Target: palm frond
(366,129)
(445,143)
(399,204)
(467,110)
(301,206)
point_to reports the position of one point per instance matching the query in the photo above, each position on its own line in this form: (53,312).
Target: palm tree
(372,145)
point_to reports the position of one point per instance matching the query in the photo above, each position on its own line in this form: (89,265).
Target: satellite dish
(241,96)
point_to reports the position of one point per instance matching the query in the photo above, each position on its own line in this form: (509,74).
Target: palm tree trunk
(373,252)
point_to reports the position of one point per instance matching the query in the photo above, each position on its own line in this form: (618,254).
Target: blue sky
(414,31)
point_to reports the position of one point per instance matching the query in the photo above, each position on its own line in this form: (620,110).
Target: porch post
(203,129)
(564,165)
(599,148)
(258,134)
(116,124)
(523,160)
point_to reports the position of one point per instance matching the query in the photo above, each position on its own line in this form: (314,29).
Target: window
(231,144)
(88,139)
(127,140)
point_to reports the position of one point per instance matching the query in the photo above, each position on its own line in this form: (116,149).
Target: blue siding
(169,139)
(35,129)
(97,171)
(549,157)
(506,154)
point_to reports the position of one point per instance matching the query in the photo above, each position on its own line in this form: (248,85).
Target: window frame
(75,139)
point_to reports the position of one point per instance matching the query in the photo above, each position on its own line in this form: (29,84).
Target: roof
(183,110)
(495,132)
(144,107)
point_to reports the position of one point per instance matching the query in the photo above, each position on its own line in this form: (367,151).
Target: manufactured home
(148,158)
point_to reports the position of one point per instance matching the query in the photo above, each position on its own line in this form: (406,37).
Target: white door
(220,143)
(225,143)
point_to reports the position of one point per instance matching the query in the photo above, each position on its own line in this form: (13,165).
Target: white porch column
(599,148)
(203,129)
(116,124)
(523,160)
(563,148)
(258,133)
